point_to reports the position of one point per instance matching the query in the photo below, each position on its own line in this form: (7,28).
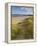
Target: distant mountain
(20,15)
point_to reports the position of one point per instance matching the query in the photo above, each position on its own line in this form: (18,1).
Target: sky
(21,10)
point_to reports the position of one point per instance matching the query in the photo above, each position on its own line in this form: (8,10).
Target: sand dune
(17,19)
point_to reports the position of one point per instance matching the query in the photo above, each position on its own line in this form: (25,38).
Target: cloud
(22,10)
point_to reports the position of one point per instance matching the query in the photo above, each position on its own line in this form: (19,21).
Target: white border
(9,22)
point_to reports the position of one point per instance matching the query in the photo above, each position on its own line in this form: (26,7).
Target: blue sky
(21,10)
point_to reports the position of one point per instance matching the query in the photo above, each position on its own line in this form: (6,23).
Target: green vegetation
(23,30)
